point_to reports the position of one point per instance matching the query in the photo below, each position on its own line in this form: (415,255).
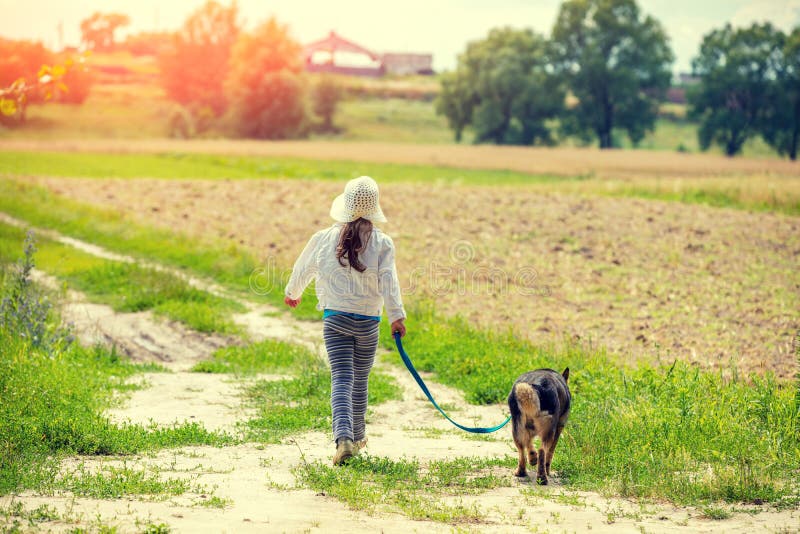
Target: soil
(257,480)
(645,279)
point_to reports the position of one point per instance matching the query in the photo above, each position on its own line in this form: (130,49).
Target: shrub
(265,88)
(78,79)
(327,94)
(25,311)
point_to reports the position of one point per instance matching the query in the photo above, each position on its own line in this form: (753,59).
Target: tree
(15,98)
(97,31)
(456,101)
(22,59)
(264,85)
(738,69)
(501,87)
(781,121)
(194,70)
(617,64)
(326,96)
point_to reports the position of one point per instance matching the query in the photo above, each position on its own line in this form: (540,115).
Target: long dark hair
(350,243)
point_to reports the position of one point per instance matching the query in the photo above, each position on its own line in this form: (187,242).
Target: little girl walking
(352,263)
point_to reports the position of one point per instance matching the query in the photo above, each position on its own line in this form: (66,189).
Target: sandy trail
(256,481)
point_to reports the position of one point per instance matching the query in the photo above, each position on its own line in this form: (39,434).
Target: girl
(353,265)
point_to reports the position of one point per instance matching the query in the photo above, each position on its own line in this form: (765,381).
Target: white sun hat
(360,199)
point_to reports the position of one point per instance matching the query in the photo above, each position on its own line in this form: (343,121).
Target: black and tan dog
(539,402)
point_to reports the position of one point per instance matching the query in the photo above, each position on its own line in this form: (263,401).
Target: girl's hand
(291,302)
(399,326)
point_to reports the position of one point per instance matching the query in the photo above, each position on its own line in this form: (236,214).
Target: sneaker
(344,451)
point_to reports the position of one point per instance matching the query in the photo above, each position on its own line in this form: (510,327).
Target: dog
(539,402)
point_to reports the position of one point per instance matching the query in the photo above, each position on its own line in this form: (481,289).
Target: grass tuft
(374,483)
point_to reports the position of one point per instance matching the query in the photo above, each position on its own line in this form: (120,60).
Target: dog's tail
(527,399)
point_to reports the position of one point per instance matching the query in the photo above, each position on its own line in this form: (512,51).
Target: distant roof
(333,43)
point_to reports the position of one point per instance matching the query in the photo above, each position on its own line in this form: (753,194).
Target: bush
(25,311)
(327,94)
(79,81)
(265,89)
(22,59)
(273,109)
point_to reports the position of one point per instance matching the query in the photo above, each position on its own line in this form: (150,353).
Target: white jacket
(345,289)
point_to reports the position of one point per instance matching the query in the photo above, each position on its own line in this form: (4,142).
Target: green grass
(221,261)
(111,482)
(265,356)
(391,119)
(733,192)
(681,136)
(374,483)
(126,287)
(674,431)
(53,394)
(209,166)
(51,405)
(15,515)
(300,402)
(668,432)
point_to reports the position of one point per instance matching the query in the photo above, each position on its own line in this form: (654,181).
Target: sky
(440,27)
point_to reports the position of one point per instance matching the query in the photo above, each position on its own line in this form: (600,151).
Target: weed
(264,356)
(156,528)
(215,502)
(24,309)
(115,482)
(370,483)
(716,513)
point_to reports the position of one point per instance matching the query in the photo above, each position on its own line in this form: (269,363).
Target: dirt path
(256,483)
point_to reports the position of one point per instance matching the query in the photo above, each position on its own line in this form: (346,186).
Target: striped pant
(351,345)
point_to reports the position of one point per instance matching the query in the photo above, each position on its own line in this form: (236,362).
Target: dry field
(648,279)
(557,161)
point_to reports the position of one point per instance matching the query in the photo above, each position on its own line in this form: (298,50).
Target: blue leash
(424,388)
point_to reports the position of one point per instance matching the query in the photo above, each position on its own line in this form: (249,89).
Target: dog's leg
(552,448)
(541,474)
(521,471)
(532,455)
(519,440)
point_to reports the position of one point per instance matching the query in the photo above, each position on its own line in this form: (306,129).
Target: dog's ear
(565,374)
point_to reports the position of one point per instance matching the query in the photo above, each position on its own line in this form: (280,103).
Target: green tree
(193,70)
(616,62)
(738,69)
(781,122)
(264,85)
(326,96)
(97,31)
(502,88)
(456,101)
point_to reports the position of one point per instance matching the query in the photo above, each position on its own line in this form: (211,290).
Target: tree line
(606,68)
